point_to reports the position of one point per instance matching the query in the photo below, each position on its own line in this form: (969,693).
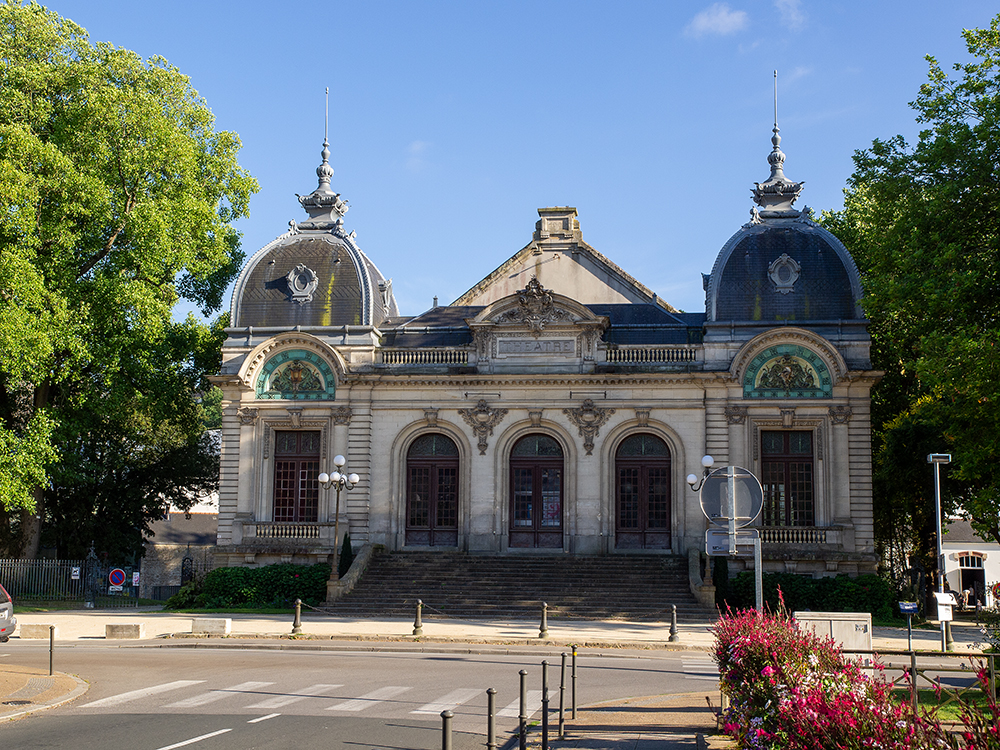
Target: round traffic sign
(117,577)
(732,493)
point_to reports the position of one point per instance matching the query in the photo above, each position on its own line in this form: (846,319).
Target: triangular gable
(561,261)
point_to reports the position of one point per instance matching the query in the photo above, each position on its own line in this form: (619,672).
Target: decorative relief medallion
(247,415)
(589,419)
(302,282)
(535,309)
(341,414)
(841,414)
(736,414)
(482,419)
(787,371)
(784,272)
(296,374)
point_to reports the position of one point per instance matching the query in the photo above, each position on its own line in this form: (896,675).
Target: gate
(109,586)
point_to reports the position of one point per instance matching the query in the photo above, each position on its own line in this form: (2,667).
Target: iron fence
(48,580)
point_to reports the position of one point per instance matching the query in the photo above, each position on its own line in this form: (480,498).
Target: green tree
(923,224)
(117,198)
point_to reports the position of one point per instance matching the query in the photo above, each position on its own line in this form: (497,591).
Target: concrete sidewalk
(665,722)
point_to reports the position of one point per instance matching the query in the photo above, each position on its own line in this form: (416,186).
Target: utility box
(852,631)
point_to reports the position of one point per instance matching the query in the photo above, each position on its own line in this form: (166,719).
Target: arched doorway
(432,492)
(536,493)
(642,493)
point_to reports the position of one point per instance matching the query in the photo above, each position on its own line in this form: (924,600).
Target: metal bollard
(52,646)
(562,698)
(297,625)
(522,718)
(491,719)
(673,624)
(545,705)
(573,691)
(446,717)
(418,625)
(544,629)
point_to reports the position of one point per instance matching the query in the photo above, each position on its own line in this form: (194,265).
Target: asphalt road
(149,698)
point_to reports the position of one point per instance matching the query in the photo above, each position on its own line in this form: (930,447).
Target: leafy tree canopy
(923,224)
(117,200)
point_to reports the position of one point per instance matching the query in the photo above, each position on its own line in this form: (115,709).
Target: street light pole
(937,459)
(340,480)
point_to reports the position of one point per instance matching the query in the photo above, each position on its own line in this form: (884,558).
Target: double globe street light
(340,480)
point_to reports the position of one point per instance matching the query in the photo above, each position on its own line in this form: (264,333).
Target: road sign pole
(758,574)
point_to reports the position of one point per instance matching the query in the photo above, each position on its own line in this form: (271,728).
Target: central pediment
(536,330)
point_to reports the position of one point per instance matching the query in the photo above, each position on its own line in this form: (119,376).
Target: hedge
(267,586)
(866,593)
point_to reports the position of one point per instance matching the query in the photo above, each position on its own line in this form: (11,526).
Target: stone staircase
(458,585)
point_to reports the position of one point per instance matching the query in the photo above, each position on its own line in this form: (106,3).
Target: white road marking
(370,699)
(700,669)
(262,718)
(133,695)
(217,695)
(449,701)
(195,739)
(300,695)
(533,702)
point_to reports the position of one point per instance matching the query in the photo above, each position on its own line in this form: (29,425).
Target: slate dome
(782,266)
(314,275)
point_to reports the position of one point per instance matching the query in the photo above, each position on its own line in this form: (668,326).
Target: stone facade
(556,407)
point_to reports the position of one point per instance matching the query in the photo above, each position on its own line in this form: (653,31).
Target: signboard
(717,542)
(74,573)
(114,588)
(731,497)
(945,601)
(908,608)
(117,578)
(135,577)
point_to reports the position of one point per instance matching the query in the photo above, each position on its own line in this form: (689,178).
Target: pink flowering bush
(792,689)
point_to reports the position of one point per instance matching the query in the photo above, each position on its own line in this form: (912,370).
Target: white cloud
(791,13)
(415,160)
(718,19)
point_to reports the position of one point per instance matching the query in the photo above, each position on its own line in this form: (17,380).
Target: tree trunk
(31,521)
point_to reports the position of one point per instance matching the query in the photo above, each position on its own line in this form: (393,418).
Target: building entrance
(536,493)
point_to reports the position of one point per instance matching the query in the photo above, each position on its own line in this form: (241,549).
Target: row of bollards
(522,714)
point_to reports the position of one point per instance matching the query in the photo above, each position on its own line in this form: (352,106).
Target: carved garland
(482,419)
(589,419)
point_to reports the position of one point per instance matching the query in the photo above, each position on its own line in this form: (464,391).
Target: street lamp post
(937,459)
(340,480)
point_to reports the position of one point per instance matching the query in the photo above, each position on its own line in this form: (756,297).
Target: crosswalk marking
(132,695)
(533,702)
(449,701)
(700,669)
(299,695)
(217,695)
(370,699)
(195,739)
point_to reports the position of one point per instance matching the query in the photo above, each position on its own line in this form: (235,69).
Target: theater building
(554,408)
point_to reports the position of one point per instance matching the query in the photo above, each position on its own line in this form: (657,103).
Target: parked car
(7,620)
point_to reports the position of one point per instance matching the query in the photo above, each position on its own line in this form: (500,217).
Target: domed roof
(781,266)
(315,274)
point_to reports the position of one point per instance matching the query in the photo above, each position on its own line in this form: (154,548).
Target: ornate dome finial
(325,207)
(778,194)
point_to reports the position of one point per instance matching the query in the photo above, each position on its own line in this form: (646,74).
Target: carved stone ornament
(535,417)
(841,414)
(535,308)
(642,417)
(589,419)
(247,415)
(784,272)
(788,418)
(302,282)
(295,414)
(431,415)
(341,415)
(736,414)
(482,419)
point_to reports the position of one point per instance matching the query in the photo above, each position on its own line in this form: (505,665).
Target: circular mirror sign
(731,493)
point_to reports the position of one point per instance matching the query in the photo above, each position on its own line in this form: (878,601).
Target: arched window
(432,492)
(536,507)
(642,492)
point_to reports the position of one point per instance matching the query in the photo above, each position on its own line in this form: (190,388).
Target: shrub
(866,593)
(346,556)
(270,585)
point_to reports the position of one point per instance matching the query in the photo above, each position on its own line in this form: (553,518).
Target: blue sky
(452,122)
